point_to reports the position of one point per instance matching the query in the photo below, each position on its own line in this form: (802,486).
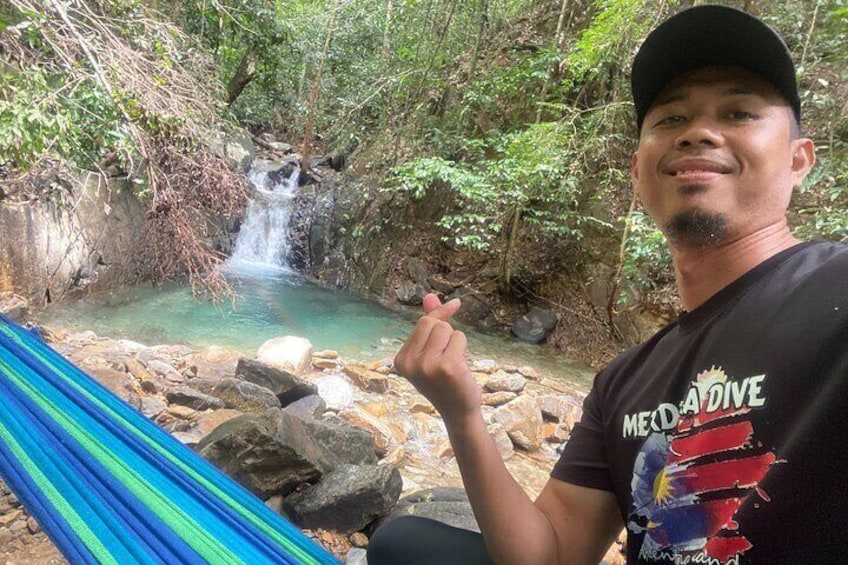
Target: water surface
(273,302)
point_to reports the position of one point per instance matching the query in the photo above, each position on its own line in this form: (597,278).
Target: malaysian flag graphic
(689,482)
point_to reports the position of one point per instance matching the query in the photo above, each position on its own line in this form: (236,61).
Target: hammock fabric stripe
(109,486)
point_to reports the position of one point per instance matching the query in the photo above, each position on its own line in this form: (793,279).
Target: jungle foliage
(111,87)
(514,114)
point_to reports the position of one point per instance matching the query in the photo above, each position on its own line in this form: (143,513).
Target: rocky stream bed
(350,443)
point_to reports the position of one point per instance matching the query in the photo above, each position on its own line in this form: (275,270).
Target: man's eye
(671,120)
(741,115)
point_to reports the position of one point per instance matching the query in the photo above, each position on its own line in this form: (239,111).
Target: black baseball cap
(711,36)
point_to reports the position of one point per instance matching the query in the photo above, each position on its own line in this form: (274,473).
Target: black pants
(412,540)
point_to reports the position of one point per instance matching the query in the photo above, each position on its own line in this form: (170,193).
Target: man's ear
(634,171)
(803,159)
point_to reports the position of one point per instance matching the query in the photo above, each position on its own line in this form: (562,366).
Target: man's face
(718,158)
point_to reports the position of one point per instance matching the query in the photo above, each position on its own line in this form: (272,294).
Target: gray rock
(535,326)
(287,386)
(273,452)
(152,406)
(502,381)
(356,556)
(418,272)
(410,293)
(348,499)
(289,353)
(215,362)
(448,505)
(14,306)
(119,382)
(475,308)
(5,536)
(336,391)
(559,408)
(522,420)
(191,398)
(238,394)
(311,406)
(239,149)
(162,368)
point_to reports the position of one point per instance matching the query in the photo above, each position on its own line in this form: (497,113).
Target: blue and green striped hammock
(109,486)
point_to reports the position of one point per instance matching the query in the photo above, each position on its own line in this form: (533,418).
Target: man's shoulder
(818,253)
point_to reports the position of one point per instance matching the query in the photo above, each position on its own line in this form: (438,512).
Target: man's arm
(568,524)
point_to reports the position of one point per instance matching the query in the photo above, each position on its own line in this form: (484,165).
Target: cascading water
(263,238)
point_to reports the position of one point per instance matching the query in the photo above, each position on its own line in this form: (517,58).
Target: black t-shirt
(725,436)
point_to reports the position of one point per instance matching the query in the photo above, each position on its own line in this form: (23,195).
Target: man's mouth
(697,168)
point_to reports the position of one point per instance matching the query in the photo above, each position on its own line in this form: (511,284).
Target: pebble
(358,539)
(5,536)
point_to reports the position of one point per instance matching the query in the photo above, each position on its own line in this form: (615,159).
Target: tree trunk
(560,30)
(306,153)
(432,58)
(387,36)
(482,24)
(509,255)
(244,74)
(617,277)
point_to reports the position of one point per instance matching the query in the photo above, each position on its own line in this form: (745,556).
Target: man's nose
(699,131)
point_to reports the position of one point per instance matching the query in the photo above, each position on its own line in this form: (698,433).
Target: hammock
(109,486)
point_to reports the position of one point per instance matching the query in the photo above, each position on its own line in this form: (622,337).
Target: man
(722,439)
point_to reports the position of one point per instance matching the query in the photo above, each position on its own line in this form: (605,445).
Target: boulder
(191,398)
(418,272)
(215,362)
(273,452)
(356,556)
(367,379)
(238,394)
(501,381)
(498,398)
(487,366)
(566,410)
(14,306)
(336,391)
(348,499)
(285,385)
(410,293)
(152,406)
(522,420)
(207,422)
(120,383)
(535,326)
(288,353)
(166,370)
(312,406)
(502,441)
(475,308)
(361,418)
(237,148)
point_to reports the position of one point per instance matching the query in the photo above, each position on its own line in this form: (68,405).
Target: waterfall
(263,238)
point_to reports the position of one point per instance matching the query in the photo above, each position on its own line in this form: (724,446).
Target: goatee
(696,229)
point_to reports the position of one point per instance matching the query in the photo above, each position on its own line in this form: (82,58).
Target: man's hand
(433,360)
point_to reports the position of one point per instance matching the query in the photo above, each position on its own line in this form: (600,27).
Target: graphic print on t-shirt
(699,462)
